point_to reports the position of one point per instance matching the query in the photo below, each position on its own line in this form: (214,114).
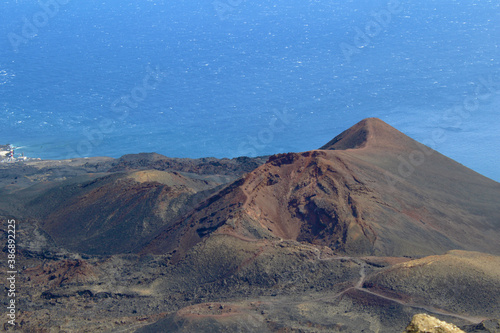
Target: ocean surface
(232,77)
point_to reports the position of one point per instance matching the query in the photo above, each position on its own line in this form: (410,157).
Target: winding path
(359,286)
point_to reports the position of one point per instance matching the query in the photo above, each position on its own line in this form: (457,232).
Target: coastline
(8,155)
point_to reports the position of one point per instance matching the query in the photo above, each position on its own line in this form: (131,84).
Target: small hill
(115,213)
(462,282)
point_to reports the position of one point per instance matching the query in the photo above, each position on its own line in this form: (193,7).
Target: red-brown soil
(358,200)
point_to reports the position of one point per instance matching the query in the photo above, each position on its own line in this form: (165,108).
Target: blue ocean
(227,78)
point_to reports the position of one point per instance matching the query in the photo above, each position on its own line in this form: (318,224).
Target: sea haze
(231,78)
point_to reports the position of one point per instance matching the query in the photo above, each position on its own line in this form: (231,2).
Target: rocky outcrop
(423,323)
(486,326)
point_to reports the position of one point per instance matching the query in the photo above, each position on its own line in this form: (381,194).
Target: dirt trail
(360,282)
(362,274)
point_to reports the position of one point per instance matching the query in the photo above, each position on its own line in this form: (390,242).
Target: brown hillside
(115,213)
(364,199)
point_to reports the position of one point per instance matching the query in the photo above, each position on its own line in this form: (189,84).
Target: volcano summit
(351,196)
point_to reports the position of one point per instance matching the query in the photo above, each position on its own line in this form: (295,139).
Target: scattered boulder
(423,323)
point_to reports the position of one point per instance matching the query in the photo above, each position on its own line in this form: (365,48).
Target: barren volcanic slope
(107,206)
(357,236)
(359,195)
